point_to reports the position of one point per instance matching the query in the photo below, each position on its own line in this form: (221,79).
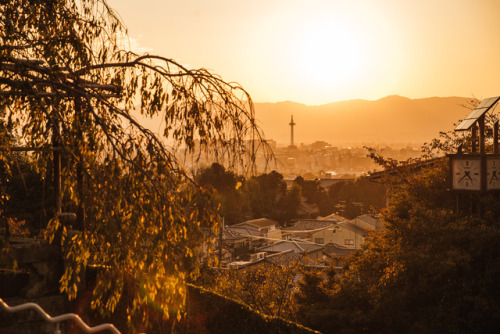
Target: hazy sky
(320,51)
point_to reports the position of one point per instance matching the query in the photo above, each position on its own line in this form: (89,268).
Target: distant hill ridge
(392,119)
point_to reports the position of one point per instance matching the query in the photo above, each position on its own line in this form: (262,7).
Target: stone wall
(35,280)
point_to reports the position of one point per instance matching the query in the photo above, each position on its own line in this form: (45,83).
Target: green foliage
(264,193)
(265,287)
(267,196)
(291,203)
(432,269)
(313,299)
(30,194)
(214,313)
(241,198)
(224,185)
(342,197)
(362,190)
(143,211)
(311,189)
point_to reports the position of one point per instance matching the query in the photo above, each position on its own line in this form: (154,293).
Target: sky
(321,51)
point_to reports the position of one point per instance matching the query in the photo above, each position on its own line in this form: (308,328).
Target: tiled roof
(371,220)
(243,231)
(296,246)
(261,222)
(336,250)
(309,224)
(353,227)
(334,217)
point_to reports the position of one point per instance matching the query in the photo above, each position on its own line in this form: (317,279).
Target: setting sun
(321,51)
(329,54)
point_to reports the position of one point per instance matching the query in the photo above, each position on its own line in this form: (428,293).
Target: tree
(225,185)
(362,190)
(266,287)
(431,270)
(290,204)
(69,86)
(267,196)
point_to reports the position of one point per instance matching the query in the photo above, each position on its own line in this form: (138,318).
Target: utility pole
(220,243)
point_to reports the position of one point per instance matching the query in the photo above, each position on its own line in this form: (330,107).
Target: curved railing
(60,318)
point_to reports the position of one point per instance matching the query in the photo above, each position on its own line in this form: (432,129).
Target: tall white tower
(292,124)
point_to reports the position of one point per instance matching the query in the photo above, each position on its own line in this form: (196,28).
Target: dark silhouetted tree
(432,270)
(67,80)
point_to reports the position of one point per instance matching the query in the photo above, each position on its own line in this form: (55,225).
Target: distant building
(292,124)
(311,250)
(305,228)
(267,228)
(336,255)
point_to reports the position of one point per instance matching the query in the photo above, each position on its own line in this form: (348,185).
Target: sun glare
(329,54)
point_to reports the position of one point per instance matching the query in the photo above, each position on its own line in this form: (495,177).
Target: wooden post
(481,135)
(474,139)
(220,242)
(495,137)
(80,213)
(57,172)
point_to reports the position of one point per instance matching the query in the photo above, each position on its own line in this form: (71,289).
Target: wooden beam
(28,149)
(495,137)
(54,94)
(474,139)
(57,174)
(481,135)
(80,213)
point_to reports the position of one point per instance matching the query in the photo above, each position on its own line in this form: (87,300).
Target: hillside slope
(393,119)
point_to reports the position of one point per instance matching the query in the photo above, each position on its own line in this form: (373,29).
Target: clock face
(493,173)
(467,173)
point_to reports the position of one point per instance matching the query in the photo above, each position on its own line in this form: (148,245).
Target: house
(370,222)
(336,254)
(260,259)
(311,250)
(343,233)
(243,238)
(237,242)
(348,233)
(305,228)
(267,227)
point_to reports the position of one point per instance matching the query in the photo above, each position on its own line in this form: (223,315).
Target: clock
(493,173)
(466,173)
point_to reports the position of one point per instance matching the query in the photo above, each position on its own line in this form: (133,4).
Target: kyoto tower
(291,138)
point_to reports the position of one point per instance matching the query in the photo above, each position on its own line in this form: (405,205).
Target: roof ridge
(296,244)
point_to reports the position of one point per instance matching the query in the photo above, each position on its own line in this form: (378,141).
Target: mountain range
(389,120)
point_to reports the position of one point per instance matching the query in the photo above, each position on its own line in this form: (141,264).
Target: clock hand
(494,176)
(466,174)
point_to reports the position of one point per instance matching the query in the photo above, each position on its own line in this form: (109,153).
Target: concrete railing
(60,318)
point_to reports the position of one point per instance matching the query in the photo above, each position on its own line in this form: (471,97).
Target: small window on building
(349,241)
(319,240)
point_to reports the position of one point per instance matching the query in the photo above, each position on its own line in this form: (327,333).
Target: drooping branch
(64,75)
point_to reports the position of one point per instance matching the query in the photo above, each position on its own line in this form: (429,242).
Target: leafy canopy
(433,269)
(67,80)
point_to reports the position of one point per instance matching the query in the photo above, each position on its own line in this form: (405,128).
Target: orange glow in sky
(320,51)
